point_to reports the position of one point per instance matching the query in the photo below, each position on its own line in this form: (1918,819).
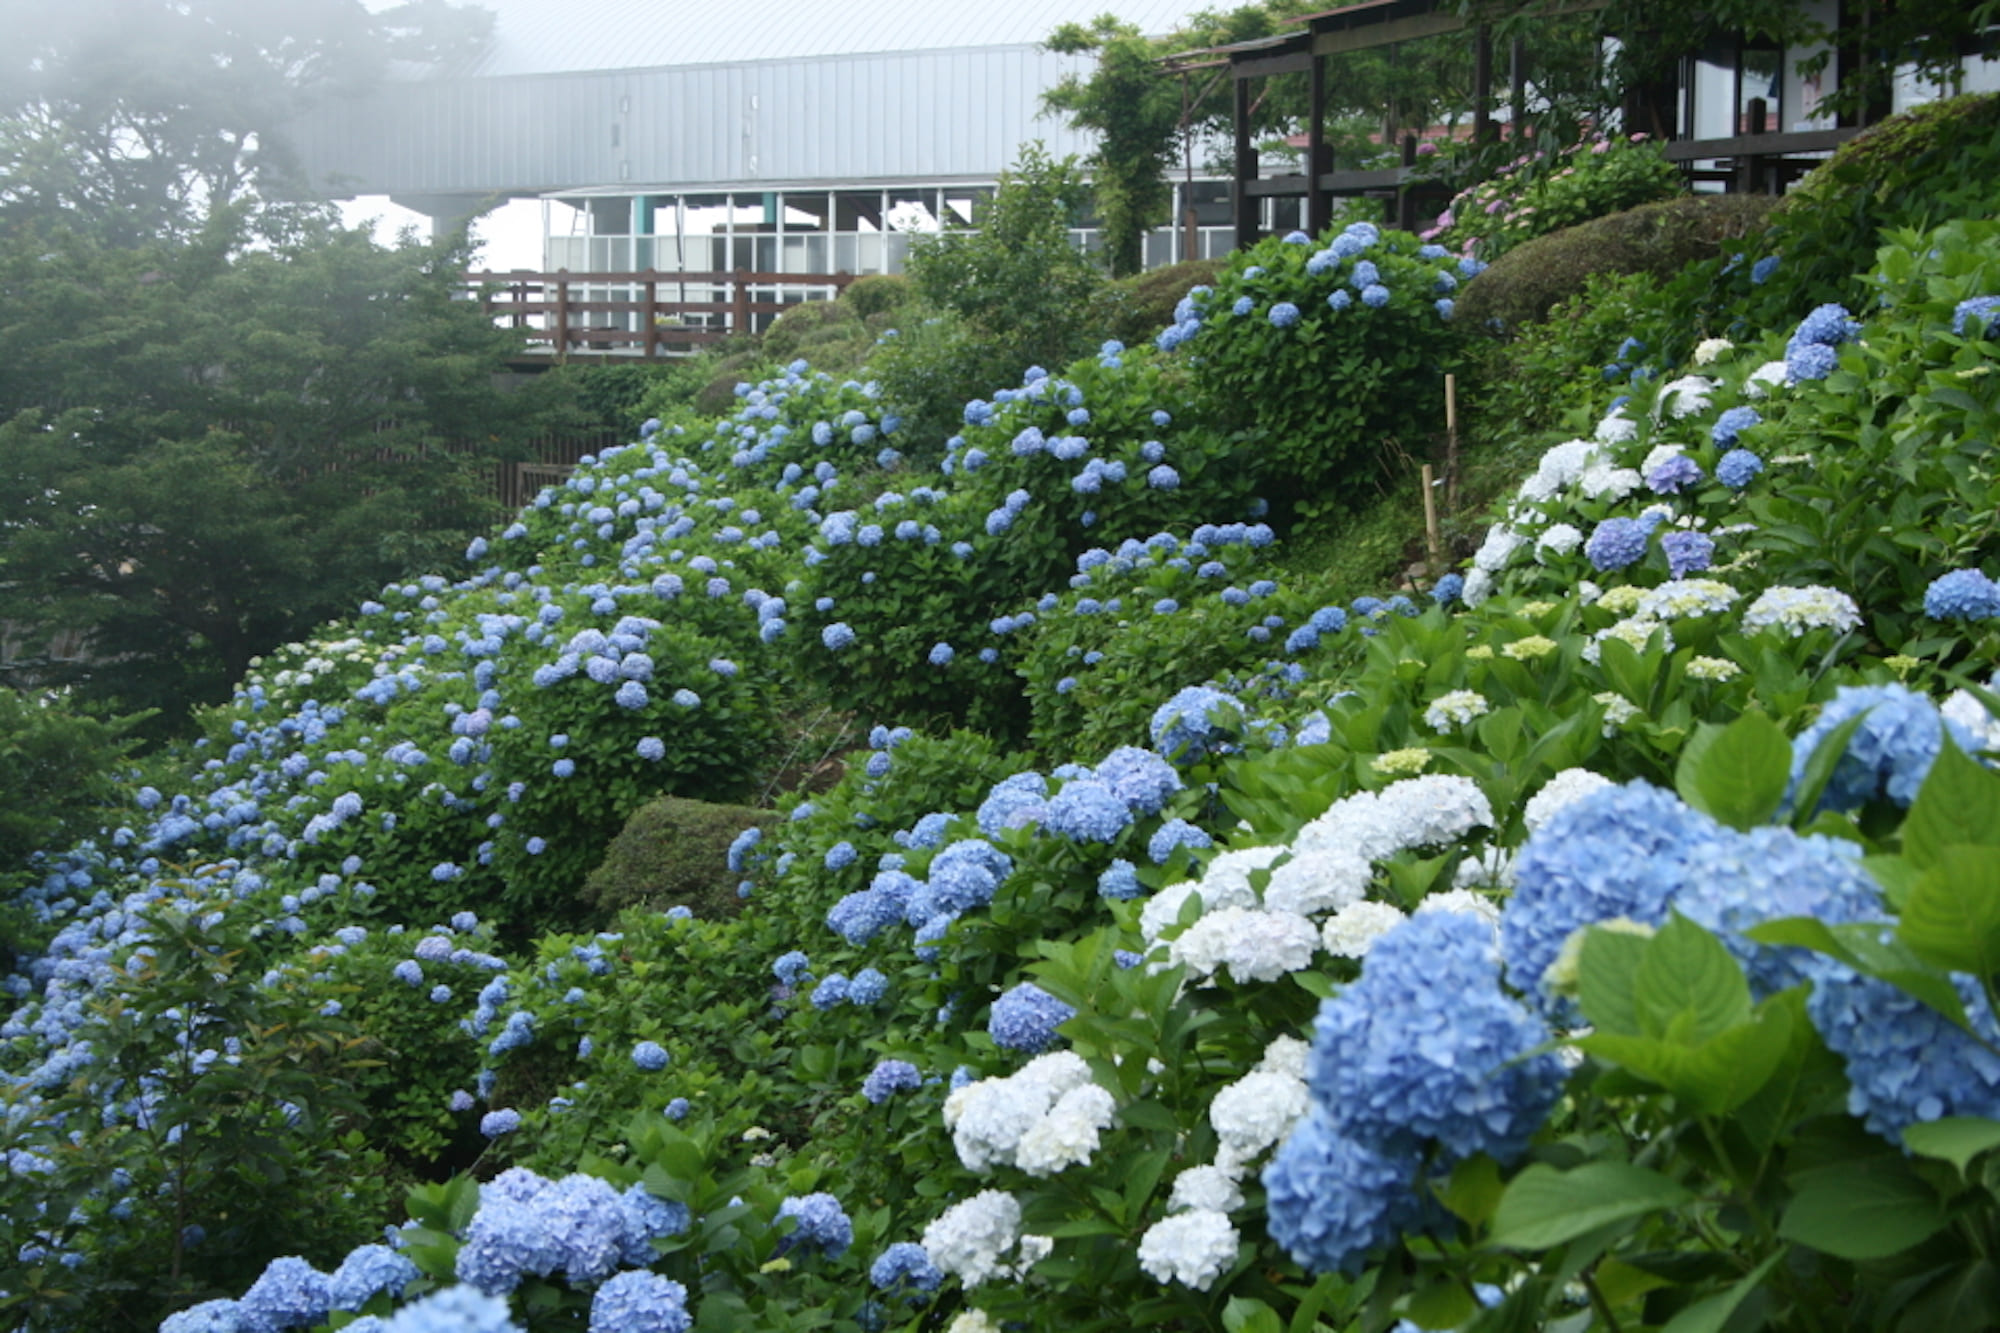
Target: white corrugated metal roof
(572,36)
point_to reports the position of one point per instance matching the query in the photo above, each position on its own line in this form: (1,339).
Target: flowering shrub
(1329,353)
(1545,191)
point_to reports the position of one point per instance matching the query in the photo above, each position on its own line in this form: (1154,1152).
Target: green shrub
(791,330)
(673,852)
(1331,360)
(876,294)
(58,777)
(1540,192)
(1661,239)
(1135,309)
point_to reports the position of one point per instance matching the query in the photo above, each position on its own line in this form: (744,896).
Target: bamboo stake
(1431,540)
(1451,444)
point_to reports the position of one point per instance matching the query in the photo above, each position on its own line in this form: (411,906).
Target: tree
(1137,116)
(202,456)
(140,118)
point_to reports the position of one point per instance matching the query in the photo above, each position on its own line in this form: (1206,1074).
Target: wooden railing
(645,315)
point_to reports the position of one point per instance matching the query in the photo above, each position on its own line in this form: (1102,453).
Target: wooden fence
(646,315)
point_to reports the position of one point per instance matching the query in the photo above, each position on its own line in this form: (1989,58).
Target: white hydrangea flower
(1466,902)
(1682,599)
(1207,1187)
(1618,710)
(1498,548)
(1963,709)
(1478,587)
(1684,397)
(1254,945)
(1433,810)
(1492,868)
(1192,1248)
(1799,610)
(1560,466)
(1455,709)
(1770,375)
(1226,881)
(1634,631)
(1558,539)
(1616,428)
(1350,932)
(1708,349)
(1285,1055)
(1712,668)
(1033,1250)
(969,1240)
(1256,1111)
(1604,482)
(1067,1135)
(973,1321)
(991,1120)
(1315,880)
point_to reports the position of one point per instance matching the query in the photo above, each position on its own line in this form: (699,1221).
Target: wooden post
(1451,444)
(651,314)
(1433,544)
(739,305)
(562,316)
(1319,204)
(1406,199)
(1482,85)
(1245,171)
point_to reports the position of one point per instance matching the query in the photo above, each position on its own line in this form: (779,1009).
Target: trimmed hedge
(673,852)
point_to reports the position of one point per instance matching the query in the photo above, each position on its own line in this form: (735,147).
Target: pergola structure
(1754,153)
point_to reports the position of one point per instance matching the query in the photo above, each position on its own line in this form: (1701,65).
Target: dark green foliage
(1928,165)
(1135,309)
(1660,239)
(1014,293)
(876,294)
(57,776)
(673,852)
(208,454)
(1548,191)
(1135,112)
(236,1162)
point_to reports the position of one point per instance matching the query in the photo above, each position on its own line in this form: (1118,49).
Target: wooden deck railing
(646,314)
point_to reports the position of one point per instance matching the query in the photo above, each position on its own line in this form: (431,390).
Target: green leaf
(1716,1076)
(1688,987)
(1607,975)
(1244,1315)
(1738,773)
(1956,1139)
(1474,1189)
(1952,917)
(1544,1207)
(1865,1210)
(1862,948)
(1826,756)
(1958,805)
(1442,1304)
(1710,1314)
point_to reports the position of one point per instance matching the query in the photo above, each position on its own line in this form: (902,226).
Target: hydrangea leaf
(1952,917)
(1867,1209)
(1711,1313)
(1688,985)
(1442,1303)
(1544,1207)
(1716,1076)
(1607,973)
(1474,1189)
(1958,805)
(1956,1139)
(1819,766)
(1736,774)
(1862,948)
(1245,1315)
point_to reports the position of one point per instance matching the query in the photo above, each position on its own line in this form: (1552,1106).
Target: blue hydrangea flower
(1331,1201)
(1979,314)
(650,1056)
(1012,802)
(1761,271)
(1086,810)
(791,967)
(1740,880)
(409,972)
(1244,305)
(831,992)
(638,1301)
(888,1078)
(1906,1063)
(1375,296)
(1731,423)
(963,876)
(1675,474)
(1120,881)
(822,1224)
(836,636)
(868,987)
(460,1309)
(1196,722)
(1737,468)
(503,1121)
(1619,851)
(366,1271)
(290,1293)
(1449,589)
(906,1267)
(841,855)
(1427,1051)
(1889,756)
(1175,833)
(1617,543)
(1025,1019)
(1687,552)
(941,654)
(1810,361)
(1140,778)
(1963,594)
(1283,315)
